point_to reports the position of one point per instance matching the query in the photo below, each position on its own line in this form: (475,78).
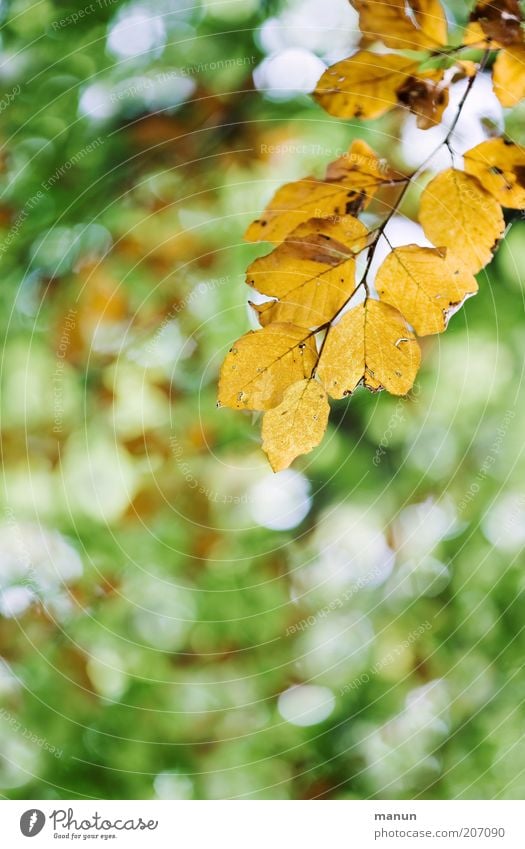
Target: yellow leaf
(348,187)
(426,95)
(474,35)
(312,272)
(359,161)
(263,363)
(297,425)
(360,170)
(499,165)
(426,285)
(457,213)
(499,22)
(364,86)
(373,344)
(508,75)
(402,24)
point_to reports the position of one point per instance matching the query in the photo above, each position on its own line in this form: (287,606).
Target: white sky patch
(306,704)
(289,73)
(280,501)
(137,31)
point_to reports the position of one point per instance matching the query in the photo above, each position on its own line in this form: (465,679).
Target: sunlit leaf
(371,344)
(457,213)
(311,273)
(348,187)
(297,425)
(499,165)
(403,25)
(426,285)
(364,86)
(508,75)
(263,363)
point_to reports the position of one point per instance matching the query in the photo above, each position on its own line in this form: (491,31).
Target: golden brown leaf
(373,344)
(361,171)
(348,187)
(311,273)
(499,22)
(474,36)
(364,86)
(297,425)
(426,96)
(263,363)
(426,285)
(359,161)
(508,75)
(457,213)
(499,165)
(403,25)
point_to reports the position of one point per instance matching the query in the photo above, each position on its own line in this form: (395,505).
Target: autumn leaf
(297,425)
(371,344)
(427,285)
(499,165)
(263,363)
(426,96)
(348,187)
(361,171)
(364,86)
(358,162)
(508,75)
(499,22)
(309,278)
(457,213)
(403,25)
(312,272)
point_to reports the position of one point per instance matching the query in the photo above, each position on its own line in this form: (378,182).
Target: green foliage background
(149,623)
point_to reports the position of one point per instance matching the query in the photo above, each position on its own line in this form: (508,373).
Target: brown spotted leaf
(312,272)
(348,187)
(262,364)
(497,21)
(371,344)
(297,425)
(365,85)
(426,96)
(426,285)
(457,213)
(499,165)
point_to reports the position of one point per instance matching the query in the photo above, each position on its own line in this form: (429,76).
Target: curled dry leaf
(499,165)
(263,363)
(312,272)
(371,344)
(457,213)
(297,425)
(349,185)
(499,22)
(364,86)
(426,96)
(427,285)
(508,75)
(403,24)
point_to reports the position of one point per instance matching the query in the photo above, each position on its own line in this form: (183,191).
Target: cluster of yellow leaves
(369,84)
(313,343)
